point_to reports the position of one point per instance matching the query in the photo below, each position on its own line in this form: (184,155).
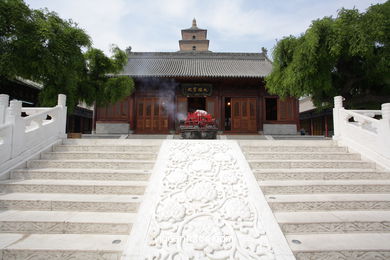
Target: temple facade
(230,86)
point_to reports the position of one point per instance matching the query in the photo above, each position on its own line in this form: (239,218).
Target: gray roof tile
(197,64)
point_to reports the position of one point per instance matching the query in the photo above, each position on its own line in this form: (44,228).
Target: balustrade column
(337,116)
(62,115)
(14,117)
(386,111)
(384,130)
(4,100)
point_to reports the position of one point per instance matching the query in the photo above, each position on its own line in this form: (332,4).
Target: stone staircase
(329,203)
(77,202)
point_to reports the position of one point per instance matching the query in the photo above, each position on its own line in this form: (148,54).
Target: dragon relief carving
(203,210)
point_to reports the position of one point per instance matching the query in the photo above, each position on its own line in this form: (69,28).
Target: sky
(233,25)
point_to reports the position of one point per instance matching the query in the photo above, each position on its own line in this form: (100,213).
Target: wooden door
(152,115)
(243,114)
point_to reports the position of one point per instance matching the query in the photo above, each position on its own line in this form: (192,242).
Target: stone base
(112,128)
(279,129)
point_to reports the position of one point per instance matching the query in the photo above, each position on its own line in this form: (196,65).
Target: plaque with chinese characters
(196,90)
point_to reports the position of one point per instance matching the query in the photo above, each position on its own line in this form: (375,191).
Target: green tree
(39,45)
(347,55)
(102,82)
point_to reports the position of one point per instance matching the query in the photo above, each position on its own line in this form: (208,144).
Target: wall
(200,45)
(199,34)
(169,89)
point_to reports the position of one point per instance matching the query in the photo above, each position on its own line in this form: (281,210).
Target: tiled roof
(197,64)
(29,83)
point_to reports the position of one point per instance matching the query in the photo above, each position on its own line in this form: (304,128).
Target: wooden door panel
(164,124)
(252,124)
(236,114)
(286,109)
(244,114)
(152,115)
(148,124)
(244,122)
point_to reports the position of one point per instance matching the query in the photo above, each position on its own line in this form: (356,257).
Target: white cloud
(154,25)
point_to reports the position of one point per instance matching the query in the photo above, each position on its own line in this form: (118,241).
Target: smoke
(164,88)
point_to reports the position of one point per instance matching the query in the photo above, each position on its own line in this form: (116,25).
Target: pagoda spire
(194,39)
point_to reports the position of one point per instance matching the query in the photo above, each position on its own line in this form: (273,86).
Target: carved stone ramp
(203,202)
(330,203)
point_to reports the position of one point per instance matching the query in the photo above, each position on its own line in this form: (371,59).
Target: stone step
(287,143)
(106,148)
(90,164)
(62,246)
(300,155)
(70,202)
(113,142)
(320,174)
(82,174)
(325,186)
(65,222)
(98,155)
(294,149)
(333,221)
(277,164)
(322,202)
(340,246)
(73,186)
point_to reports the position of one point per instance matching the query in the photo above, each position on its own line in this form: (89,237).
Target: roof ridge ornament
(194,23)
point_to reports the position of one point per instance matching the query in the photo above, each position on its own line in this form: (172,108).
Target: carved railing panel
(365,131)
(22,129)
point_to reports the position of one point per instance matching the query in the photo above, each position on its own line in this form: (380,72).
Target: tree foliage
(347,55)
(102,84)
(39,45)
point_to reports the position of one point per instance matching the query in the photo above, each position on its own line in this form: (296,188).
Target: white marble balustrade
(360,131)
(20,134)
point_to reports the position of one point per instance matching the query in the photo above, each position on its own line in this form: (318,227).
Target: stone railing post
(337,117)
(384,130)
(4,100)
(62,115)
(386,112)
(14,117)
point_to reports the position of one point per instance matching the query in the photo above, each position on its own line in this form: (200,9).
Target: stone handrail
(361,132)
(36,120)
(20,134)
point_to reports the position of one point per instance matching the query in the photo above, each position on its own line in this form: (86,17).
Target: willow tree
(102,82)
(347,55)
